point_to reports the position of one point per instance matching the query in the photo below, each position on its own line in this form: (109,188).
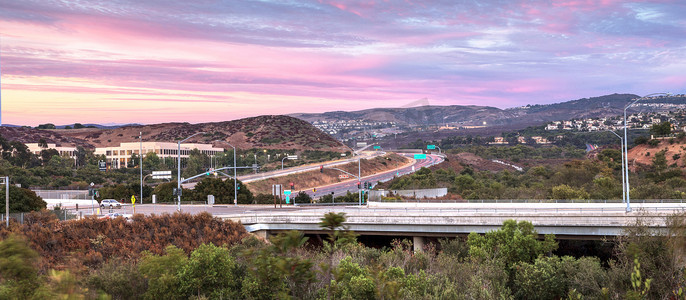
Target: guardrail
(533,201)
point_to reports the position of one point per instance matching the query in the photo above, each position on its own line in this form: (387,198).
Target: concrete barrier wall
(422,193)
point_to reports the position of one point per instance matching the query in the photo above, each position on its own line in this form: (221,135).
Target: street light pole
(621,150)
(626,149)
(359,176)
(140,163)
(235,191)
(178,171)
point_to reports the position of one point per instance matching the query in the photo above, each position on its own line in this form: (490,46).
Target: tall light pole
(235,191)
(621,150)
(626,148)
(178,177)
(140,163)
(359,175)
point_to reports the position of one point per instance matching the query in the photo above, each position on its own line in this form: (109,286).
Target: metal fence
(63,194)
(61,214)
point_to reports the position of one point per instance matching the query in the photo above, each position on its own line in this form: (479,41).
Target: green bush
(211,272)
(119,278)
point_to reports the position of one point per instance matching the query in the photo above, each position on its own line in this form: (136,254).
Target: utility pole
(7,201)
(140,162)
(235,190)
(178,178)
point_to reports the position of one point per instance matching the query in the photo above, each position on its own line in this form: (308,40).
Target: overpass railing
(533,201)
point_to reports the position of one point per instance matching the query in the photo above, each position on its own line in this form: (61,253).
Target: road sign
(287,192)
(102,165)
(276,190)
(377,147)
(288,200)
(343,176)
(361,144)
(133,199)
(420,156)
(161,175)
(292,157)
(431,147)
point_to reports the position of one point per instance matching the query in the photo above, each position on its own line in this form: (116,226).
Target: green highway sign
(420,156)
(377,147)
(431,147)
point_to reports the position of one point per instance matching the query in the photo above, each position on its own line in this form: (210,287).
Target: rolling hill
(519,117)
(264,132)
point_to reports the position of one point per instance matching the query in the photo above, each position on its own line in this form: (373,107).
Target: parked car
(111,203)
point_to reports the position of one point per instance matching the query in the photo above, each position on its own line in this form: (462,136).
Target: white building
(64,151)
(118,157)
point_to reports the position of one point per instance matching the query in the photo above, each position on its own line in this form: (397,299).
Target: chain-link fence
(61,214)
(63,194)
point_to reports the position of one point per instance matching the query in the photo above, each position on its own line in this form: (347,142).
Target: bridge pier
(418,243)
(261,233)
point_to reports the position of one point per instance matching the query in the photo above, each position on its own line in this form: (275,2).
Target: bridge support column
(418,243)
(261,233)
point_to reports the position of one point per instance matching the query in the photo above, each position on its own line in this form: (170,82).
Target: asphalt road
(297,169)
(342,188)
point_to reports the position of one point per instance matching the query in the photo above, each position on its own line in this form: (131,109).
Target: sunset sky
(152,61)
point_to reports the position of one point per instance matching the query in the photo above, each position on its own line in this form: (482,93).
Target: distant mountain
(264,132)
(519,117)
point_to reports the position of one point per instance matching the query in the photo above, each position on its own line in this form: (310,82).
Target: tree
(46,126)
(302,197)
(119,191)
(211,272)
(80,155)
(42,143)
(162,273)
(164,192)
(78,126)
(151,162)
(195,164)
(47,154)
(661,129)
(17,270)
(514,242)
(133,161)
(339,234)
(22,200)
(222,190)
(565,192)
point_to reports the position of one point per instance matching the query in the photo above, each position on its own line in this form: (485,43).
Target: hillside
(516,118)
(422,115)
(265,132)
(642,155)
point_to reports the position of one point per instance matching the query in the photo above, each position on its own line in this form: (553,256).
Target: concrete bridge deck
(565,220)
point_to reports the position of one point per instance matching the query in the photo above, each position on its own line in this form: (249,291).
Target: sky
(153,61)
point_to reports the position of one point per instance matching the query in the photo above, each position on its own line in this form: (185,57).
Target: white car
(111,203)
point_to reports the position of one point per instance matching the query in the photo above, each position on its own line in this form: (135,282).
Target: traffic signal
(238,185)
(359,185)
(321,169)
(292,186)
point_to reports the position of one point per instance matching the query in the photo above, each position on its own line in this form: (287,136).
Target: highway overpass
(421,220)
